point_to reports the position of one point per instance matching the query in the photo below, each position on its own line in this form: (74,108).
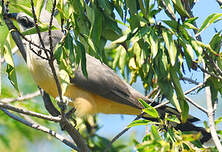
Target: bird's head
(24,20)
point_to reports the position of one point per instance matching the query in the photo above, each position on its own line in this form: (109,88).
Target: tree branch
(41,128)
(21,98)
(210,111)
(31,113)
(196,105)
(190,80)
(80,142)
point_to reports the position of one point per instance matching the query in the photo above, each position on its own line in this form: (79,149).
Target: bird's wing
(105,82)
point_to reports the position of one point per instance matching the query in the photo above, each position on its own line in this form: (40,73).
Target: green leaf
(183,105)
(4,34)
(42,28)
(90,14)
(155,132)
(171,47)
(153,39)
(145,104)
(198,49)
(26,10)
(169,8)
(7,53)
(5,141)
(140,122)
(173,118)
(190,26)
(96,29)
(83,58)
(38,8)
(210,19)
(65,80)
(151,112)
(171,23)
(116,58)
(12,76)
(107,6)
(132,5)
(122,60)
(149,109)
(218,120)
(215,42)
(187,47)
(121,39)
(180,9)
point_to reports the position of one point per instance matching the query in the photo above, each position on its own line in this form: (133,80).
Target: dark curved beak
(12,15)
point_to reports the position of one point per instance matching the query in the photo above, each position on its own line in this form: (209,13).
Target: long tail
(188,126)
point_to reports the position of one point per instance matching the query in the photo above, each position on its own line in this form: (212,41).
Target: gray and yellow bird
(102,92)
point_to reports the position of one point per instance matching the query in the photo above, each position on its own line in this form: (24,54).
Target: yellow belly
(85,102)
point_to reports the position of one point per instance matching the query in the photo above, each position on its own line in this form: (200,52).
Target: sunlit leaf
(180,95)
(65,80)
(210,19)
(154,44)
(173,118)
(38,8)
(180,9)
(140,122)
(171,47)
(25,9)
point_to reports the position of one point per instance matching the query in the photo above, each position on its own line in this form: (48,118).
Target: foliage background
(16,137)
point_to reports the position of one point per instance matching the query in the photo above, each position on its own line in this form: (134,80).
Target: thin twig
(208,98)
(37,28)
(50,26)
(194,88)
(31,113)
(41,128)
(51,64)
(121,133)
(209,73)
(196,105)
(126,129)
(21,98)
(190,80)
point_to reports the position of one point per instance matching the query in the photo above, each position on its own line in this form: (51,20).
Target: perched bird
(101,92)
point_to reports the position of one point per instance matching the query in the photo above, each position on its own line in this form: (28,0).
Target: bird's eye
(26,22)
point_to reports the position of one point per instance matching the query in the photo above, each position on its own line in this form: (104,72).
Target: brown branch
(50,26)
(76,136)
(37,28)
(41,128)
(31,113)
(21,98)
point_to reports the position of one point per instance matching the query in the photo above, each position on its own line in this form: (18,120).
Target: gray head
(27,22)
(24,20)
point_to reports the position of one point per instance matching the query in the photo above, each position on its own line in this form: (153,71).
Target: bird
(102,91)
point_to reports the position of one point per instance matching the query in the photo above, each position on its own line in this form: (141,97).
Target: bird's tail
(188,126)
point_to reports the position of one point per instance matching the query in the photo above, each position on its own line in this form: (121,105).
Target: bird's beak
(12,16)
